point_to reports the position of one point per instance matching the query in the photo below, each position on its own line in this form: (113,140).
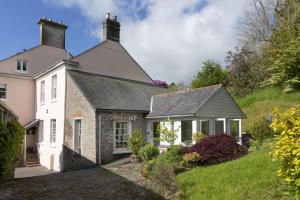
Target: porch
(186,127)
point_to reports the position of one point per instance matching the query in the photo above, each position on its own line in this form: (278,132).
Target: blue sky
(21,31)
(163,36)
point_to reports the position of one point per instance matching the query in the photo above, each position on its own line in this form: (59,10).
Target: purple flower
(161,83)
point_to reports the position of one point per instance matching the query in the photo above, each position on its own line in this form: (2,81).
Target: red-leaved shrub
(217,148)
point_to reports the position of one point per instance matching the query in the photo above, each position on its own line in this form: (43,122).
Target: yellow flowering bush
(286,147)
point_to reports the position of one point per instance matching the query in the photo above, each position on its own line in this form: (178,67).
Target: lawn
(260,104)
(250,177)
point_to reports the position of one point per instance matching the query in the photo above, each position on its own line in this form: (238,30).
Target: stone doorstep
(117,163)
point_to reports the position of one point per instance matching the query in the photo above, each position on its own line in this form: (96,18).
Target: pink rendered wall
(20,97)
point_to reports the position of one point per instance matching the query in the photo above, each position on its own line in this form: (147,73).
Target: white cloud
(174,37)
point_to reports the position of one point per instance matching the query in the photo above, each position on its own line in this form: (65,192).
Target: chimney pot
(107,15)
(115,18)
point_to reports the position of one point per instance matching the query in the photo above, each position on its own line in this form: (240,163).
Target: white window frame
(42,92)
(200,125)
(75,119)
(54,87)
(224,124)
(53,141)
(4,86)
(121,150)
(22,62)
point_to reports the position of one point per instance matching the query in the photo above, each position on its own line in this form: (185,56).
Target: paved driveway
(96,183)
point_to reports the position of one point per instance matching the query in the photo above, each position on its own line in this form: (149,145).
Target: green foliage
(173,87)
(148,152)
(251,177)
(136,141)
(261,130)
(282,52)
(190,159)
(259,104)
(198,136)
(11,139)
(174,153)
(167,132)
(211,73)
(163,173)
(245,74)
(286,147)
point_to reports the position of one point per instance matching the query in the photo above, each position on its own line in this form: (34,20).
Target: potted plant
(135,142)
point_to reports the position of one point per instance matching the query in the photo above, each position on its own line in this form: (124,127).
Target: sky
(169,38)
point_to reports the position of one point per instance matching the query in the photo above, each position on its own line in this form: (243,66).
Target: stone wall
(107,134)
(77,106)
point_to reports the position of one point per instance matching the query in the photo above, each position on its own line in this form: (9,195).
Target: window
(54,87)
(234,128)
(186,131)
(156,134)
(41,131)
(204,127)
(53,131)
(42,97)
(77,135)
(3,91)
(219,126)
(121,135)
(22,66)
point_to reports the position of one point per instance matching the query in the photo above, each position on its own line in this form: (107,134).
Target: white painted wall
(51,154)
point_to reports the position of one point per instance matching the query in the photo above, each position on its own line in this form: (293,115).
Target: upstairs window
(22,66)
(2,91)
(42,95)
(54,87)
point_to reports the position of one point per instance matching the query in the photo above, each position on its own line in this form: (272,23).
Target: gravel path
(122,182)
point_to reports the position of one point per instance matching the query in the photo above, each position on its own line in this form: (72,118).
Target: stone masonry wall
(107,134)
(78,107)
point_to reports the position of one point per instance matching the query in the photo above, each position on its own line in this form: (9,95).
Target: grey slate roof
(181,103)
(110,93)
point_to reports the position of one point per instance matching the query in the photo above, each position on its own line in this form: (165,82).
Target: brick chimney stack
(52,33)
(111,28)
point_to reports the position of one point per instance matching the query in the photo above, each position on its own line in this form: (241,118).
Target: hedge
(11,139)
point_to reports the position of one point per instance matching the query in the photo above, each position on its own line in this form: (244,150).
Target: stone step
(33,165)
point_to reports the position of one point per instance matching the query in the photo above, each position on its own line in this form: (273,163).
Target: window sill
(53,100)
(53,145)
(42,104)
(3,99)
(121,151)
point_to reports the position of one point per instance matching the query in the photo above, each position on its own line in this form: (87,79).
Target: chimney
(111,28)
(52,33)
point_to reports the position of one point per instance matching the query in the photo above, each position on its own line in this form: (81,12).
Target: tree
(282,53)
(245,71)
(173,87)
(167,132)
(212,73)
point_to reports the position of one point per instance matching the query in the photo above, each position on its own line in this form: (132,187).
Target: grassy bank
(260,103)
(251,177)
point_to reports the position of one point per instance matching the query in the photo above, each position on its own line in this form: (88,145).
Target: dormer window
(22,66)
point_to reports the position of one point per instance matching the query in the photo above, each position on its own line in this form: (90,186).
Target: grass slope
(260,103)
(250,177)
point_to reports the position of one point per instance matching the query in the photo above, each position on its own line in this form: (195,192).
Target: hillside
(260,103)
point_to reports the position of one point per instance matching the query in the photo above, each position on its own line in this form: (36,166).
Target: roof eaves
(173,115)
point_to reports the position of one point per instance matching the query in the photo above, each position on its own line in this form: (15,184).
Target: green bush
(198,136)
(261,130)
(148,152)
(190,159)
(11,139)
(163,173)
(136,141)
(174,153)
